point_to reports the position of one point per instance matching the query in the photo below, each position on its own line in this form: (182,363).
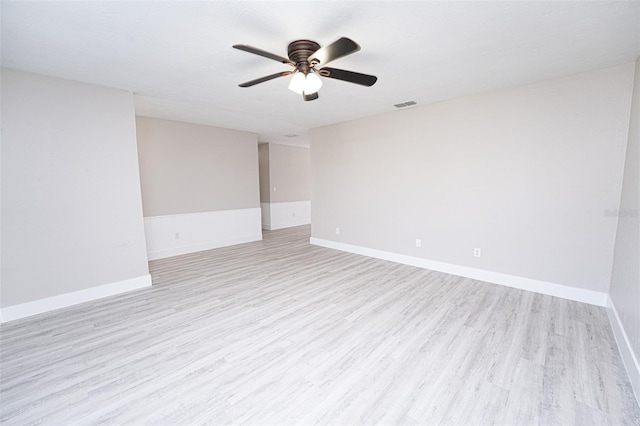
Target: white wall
(625,279)
(525,173)
(285,214)
(200,187)
(71,207)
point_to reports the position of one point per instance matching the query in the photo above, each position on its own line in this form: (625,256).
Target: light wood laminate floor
(281,332)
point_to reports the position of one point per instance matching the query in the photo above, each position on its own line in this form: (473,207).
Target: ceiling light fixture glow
(305,84)
(313,84)
(297,83)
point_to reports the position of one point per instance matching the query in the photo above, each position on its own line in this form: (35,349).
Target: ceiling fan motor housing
(299,51)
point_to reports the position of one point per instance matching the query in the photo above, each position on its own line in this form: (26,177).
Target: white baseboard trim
(275,226)
(624,346)
(558,290)
(178,234)
(23,310)
(285,214)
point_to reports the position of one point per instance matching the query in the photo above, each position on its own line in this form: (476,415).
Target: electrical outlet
(418,242)
(476,252)
(177,236)
(337,231)
(293,214)
(275,189)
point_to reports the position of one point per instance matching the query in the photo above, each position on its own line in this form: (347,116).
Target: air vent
(291,135)
(405,104)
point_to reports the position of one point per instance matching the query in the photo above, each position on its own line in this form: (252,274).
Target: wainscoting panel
(285,215)
(178,234)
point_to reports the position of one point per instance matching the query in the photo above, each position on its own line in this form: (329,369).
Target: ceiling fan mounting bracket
(299,52)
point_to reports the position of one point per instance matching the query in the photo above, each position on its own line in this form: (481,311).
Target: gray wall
(265,181)
(625,280)
(289,173)
(71,207)
(524,173)
(191,168)
(287,169)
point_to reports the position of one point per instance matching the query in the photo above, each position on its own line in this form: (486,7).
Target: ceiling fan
(305,56)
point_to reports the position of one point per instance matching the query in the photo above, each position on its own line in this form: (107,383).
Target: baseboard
(624,346)
(291,224)
(23,310)
(174,235)
(537,286)
(285,214)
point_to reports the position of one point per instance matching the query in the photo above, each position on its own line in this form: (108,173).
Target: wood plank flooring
(281,332)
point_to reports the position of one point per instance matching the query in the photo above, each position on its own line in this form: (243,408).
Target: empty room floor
(282,332)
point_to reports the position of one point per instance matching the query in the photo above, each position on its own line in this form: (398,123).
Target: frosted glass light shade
(298,83)
(307,84)
(313,84)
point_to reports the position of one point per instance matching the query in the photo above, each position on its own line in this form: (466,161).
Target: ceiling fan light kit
(305,83)
(305,56)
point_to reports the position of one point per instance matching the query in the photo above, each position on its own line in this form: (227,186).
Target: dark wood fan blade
(337,49)
(350,76)
(311,97)
(264,53)
(265,78)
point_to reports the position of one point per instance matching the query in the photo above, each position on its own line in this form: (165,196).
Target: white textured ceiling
(178,60)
